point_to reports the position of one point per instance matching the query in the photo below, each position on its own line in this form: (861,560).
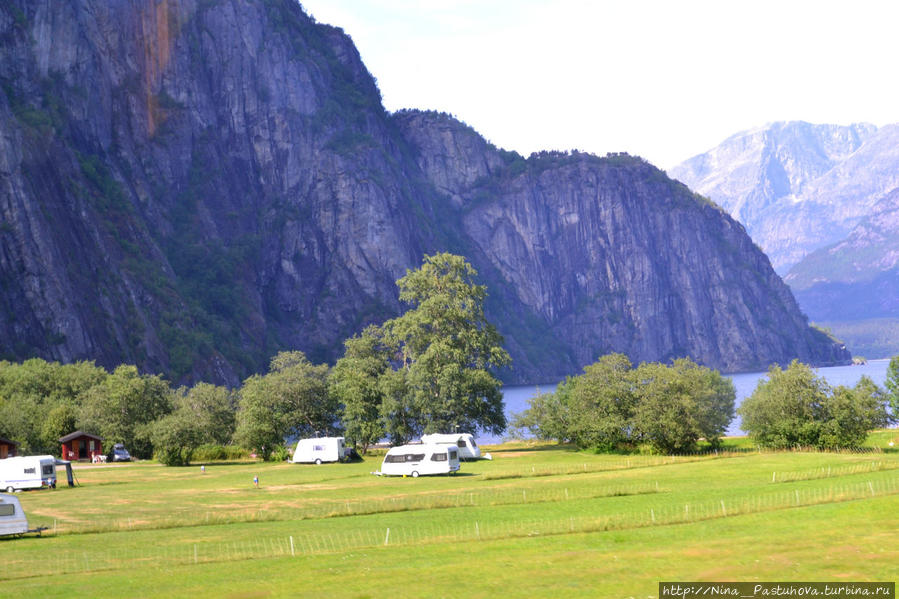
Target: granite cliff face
(192,185)
(796,186)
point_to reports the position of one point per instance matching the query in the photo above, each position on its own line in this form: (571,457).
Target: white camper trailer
(415,460)
(318,450)
(27,472)
(468,449)
(12,518)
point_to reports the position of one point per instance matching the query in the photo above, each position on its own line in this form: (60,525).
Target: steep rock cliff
(193,185)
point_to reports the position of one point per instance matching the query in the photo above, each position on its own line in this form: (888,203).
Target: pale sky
(662,79)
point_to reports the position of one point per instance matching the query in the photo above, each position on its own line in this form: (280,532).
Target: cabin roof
(78,434)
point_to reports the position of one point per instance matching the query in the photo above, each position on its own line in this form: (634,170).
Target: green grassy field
(535,521)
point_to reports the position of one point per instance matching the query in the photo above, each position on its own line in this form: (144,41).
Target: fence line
(357,507)
(833,471)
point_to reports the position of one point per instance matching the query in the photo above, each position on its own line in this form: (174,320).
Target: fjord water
(516,397)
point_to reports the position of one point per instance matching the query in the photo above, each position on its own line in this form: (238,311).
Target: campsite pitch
(538,520)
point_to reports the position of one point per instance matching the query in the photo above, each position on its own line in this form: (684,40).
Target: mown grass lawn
(535,521)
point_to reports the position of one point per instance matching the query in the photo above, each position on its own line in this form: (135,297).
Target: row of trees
(42,401)
(615,406)
(428,370)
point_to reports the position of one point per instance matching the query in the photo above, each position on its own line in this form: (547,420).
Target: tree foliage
(120,407)
(38,399)
(892,384)
(447,349)
(613,406)
(794,407)
(356,383)
(176,436)
(213,408)
(292,400)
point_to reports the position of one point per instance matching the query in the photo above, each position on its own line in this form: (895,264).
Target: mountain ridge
(229,184)
(797,186)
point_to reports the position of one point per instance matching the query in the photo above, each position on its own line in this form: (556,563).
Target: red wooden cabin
(8,448)
(81,446)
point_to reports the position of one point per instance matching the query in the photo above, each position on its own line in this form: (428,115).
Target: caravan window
(461,443)
(452,454)
(318,448)
(438,457)
(7,509)
(404,457)
(47,470)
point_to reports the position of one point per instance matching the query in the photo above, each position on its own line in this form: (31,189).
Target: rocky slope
(797,186)
(192,185)
(857,278)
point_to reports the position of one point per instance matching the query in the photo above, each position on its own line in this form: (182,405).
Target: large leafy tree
(39,399)
(212,408)
(292,400)
(548,415)
(121,406)
(447,349)
(613,406)
(892,384)
(795,407)
(357,383)
(602,403)
(679,404)
(177,435)
(202,414)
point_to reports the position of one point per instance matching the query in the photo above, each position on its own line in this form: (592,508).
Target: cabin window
(47,470)
(461,443)
(438,457)
(91,445)
(7,509)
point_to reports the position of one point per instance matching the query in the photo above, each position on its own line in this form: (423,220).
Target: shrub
(797,408)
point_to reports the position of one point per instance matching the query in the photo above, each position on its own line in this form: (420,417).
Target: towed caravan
(415,460)
(320,449)
(27,472)
(12,518)
(468,449)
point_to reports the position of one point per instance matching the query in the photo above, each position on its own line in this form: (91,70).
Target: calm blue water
(517,397)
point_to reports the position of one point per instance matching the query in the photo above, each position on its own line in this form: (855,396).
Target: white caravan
(468,449)
(12,518)
(414,460)
(27,472)
(318,450)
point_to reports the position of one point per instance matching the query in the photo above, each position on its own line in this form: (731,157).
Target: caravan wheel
(9,489)
(318,462)
(415,474)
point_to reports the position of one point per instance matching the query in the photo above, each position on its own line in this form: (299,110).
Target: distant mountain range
(193,186)
(821,200)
